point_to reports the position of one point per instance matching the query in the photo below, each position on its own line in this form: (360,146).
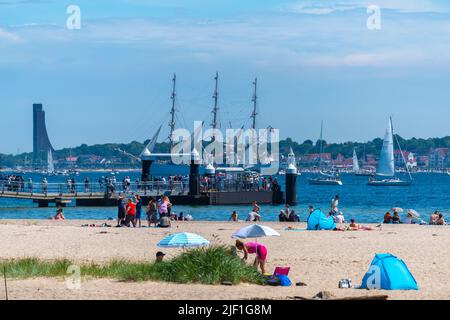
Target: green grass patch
(210,265)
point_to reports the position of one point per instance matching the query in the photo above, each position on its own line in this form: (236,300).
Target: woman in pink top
(254,248)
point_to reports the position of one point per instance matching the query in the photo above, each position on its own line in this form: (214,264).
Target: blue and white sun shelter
(183,240)
(319,221)
(387,272)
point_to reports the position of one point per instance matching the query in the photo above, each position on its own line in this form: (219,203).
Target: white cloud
(9,36)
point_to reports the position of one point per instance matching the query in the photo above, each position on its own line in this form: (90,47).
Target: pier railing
(152,188)
(76,189)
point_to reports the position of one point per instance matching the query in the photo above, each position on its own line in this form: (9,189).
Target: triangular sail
(355,161)
(50,164)
(386,164)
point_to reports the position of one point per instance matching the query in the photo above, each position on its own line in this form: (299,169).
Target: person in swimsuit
(254,248)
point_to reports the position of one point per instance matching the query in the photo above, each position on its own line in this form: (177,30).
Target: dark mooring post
(194,175)
(291,180)
(146,170)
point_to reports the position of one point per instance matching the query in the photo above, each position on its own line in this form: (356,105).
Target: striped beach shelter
(183,240)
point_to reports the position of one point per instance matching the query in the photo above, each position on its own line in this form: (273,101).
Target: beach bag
(284,280)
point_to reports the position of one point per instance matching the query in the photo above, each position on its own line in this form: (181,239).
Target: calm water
(367,204)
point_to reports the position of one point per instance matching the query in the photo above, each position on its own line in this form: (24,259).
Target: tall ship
(385,174)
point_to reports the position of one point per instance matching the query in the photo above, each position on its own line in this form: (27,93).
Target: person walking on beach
(254,248)
(137,219)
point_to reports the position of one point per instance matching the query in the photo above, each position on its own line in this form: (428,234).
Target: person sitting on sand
(293,217)
(181,217)
(387,218)
(282,216)
(254,248)
(234,216)
(255,207)
(253,217)
(434,217)
(339,218)
(396,218)
(409,218)
(356,227)
(164,222)
(440,221)
(59,214)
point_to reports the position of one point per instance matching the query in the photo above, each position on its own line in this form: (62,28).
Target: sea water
(367,204)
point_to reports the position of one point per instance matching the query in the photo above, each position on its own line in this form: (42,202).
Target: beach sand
(319,259)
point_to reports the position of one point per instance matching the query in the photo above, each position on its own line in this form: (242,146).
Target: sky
(110,81)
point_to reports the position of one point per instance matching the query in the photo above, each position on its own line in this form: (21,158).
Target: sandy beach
(319,259)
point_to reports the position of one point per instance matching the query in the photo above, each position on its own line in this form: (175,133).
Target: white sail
(386,164)
(50,164)
(355,162)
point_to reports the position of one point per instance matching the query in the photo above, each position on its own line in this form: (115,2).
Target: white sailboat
(386,165)
(357,171)
(50,164)
(325,179)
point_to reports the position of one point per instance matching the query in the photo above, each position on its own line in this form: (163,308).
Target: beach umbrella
(414,213)
(183,240)
(397,209)
(255,231)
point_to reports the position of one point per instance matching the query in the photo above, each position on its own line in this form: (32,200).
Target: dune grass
(211,265)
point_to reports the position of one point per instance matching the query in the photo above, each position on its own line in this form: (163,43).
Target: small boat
(386,165)
(326,181)
(281,173)
(357,171)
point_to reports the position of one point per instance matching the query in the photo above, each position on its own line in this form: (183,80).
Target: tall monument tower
(41,142)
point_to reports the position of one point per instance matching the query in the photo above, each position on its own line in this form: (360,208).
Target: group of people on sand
(436,218)
(158,212)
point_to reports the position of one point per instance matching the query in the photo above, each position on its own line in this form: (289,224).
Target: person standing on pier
(86,185)
(30,185)
(44,185)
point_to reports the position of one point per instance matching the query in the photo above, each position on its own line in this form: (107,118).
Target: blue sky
(111,80)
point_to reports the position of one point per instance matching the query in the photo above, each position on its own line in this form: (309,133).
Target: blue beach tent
(319,221)
(388,272)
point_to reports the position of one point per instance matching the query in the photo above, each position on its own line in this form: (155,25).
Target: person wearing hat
(160,256)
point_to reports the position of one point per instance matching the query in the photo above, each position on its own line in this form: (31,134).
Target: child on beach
(440,221)
(254,248)
(59,214)
(234,216)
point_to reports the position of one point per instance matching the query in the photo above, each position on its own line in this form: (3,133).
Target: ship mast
(254,100)
(215,111)
(172,111)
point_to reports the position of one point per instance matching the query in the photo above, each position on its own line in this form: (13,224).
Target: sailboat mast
(321,143)
(172,111)
(400,147)
(254,100)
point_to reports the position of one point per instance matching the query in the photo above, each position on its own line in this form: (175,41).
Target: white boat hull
(390,183)
(325,182)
